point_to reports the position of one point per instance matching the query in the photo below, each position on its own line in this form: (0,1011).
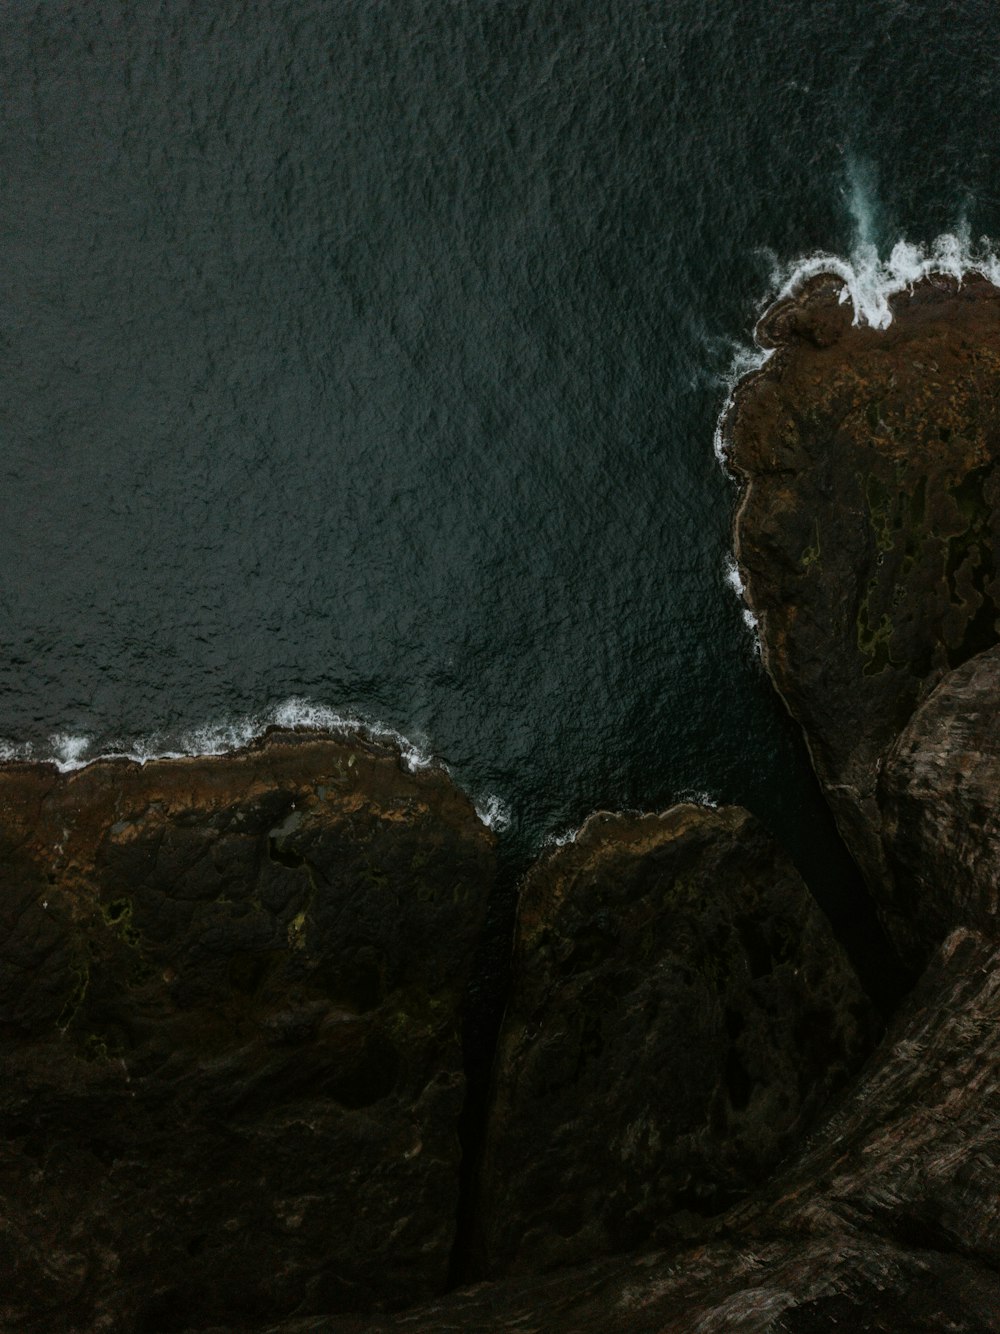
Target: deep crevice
(485,1003)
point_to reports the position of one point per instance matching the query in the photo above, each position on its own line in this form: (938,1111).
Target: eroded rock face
(888,1218)
(888,1222)
(939,799)
(679,1011)
(230,996)
(868,526)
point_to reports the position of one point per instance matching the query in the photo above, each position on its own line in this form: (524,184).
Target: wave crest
(69,751)
(870,282)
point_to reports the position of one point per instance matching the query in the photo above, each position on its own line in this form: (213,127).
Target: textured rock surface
(229,989)
(939,799)
(229,1024)
(866,535)
(868,525)
(679,1011)
(888,1223)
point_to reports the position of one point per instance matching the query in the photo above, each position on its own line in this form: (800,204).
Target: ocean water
(362,360)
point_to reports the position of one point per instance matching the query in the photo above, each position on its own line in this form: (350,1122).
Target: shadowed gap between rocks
(834,880)
(485,1001)
(837,883)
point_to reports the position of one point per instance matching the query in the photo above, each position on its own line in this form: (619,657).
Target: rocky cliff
(679,1013)
(230,996)
(232,989)
(867,528)
(888,1217)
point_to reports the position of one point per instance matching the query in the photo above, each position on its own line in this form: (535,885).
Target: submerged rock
(868,525)
(679,1012)
(230,994)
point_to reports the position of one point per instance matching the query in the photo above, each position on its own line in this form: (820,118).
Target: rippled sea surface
(369,354)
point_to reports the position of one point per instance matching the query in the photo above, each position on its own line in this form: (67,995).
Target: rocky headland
(232,989)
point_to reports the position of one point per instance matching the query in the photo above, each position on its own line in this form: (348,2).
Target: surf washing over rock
(68,752)
(871,280)
(869,284)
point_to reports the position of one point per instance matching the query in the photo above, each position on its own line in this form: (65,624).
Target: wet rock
(679,1012)
(939,800)
(868,525)
(230,997)
(887,1222)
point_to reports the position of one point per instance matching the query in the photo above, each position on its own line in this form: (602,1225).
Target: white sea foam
(494,812)
(698,798)
(744,361)
(733,577)
(734,582)
(11,751)
(560,840)
(70,751)
(870,282)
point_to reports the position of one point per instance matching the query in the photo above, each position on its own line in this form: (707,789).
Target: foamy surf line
(69,752)
(870,283)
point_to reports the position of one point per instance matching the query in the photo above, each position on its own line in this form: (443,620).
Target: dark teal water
(370,354)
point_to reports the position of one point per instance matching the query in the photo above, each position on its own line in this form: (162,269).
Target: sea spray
(734,582)
(69,752)
(494,813)
(869,284)
(861,198)
(560,840)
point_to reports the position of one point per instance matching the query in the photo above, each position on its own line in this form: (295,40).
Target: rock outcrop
(888,1220)
(679,1012)
(939,803)
(868,525)
(230,999)
(231,989)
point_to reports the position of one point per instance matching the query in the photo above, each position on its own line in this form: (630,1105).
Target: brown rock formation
(230,988)
(889,1219)
(229,1024)
(868,526)
(939,803)
(679,1011)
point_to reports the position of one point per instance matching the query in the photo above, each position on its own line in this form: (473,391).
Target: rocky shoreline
(232,989)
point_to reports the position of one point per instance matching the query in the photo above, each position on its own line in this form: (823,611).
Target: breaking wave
(734,582)
(560,840)
(68,752)
(494,812)
(871,282)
